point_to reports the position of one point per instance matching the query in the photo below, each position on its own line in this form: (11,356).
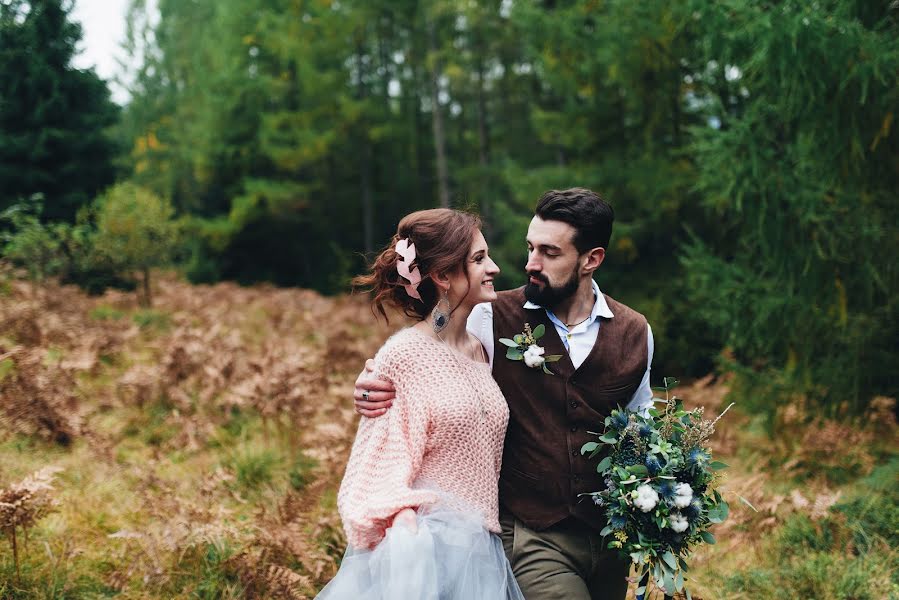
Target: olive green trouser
(563,562)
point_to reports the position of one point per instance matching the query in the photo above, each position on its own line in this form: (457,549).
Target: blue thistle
(645,431)
(652,464)
(666,490)
(619,419)
(697,457)
(618,522)
(694,509)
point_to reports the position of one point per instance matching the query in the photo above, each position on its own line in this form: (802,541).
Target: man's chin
(534,293)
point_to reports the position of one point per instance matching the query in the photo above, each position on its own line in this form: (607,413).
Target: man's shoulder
(510,297)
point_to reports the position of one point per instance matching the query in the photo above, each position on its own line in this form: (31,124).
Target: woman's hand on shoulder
(372,396)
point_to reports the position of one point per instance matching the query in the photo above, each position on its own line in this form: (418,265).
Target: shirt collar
(600,306)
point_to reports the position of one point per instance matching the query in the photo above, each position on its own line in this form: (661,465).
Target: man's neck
(579,306)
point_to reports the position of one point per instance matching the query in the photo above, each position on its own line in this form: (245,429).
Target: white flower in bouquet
(533,356)
(678,522)
(683,495)
(646,498)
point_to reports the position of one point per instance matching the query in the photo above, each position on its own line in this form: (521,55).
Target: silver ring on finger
(365,395)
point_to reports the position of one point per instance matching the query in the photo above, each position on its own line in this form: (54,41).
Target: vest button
(573,404)
(574,453)
(574,430)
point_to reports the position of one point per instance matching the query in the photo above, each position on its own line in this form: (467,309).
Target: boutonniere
(523,346)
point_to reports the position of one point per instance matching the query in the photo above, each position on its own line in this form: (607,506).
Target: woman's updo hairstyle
(442,238)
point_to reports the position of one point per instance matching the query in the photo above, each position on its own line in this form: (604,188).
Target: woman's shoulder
(406,355)
(406,347)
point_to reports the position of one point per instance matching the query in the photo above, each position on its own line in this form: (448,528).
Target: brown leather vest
(543,470)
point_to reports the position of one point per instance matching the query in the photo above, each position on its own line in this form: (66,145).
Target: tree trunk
(146,300)
(437,119)
(484,150)
(365,166)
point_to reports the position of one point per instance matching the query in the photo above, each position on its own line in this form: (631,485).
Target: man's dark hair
(590,215)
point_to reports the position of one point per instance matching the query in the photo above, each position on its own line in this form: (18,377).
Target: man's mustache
(538,275)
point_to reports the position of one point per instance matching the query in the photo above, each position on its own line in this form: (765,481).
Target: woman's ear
(441,281)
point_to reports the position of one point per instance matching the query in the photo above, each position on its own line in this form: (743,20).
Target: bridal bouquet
(660,497)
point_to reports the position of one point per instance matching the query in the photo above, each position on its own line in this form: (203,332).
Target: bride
(419,500)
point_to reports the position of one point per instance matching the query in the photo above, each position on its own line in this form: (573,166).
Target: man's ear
(593,258)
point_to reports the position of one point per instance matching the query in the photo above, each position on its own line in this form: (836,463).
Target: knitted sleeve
(387,453)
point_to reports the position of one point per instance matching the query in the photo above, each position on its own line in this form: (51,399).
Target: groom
(550,534)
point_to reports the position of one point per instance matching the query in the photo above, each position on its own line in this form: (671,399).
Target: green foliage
(253,467)
(749,151)
(37,247)
(799,281)
(300,474)
(850,553)
(53,117)
(136,230)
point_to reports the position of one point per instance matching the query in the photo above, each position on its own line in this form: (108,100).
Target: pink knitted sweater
(444,432)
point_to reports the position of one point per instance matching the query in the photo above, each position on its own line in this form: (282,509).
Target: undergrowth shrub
(849,554)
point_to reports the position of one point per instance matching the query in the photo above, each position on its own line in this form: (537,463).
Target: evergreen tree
(53,117)
(800,173)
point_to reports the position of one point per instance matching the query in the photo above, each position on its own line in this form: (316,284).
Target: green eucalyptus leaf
(608,438)
(669,559)
(552,358)
(514,354)
(717,465)
(539,331)
(668,584)
(508,342)
(589,447)
(707,537)
(604,464)
(679,582)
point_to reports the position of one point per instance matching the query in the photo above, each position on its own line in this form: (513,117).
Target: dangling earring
(441,316)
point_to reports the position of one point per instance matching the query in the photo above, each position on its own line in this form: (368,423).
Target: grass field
(197,447)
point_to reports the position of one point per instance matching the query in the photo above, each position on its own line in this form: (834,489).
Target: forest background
(748,147)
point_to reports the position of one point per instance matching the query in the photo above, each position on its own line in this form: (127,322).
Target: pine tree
(799,170)
(53,117)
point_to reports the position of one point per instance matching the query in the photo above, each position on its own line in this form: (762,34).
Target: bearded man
(550,532)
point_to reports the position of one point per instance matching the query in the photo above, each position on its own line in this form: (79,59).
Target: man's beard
(550,296)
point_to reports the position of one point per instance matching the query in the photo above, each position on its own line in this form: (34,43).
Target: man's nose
(533,263)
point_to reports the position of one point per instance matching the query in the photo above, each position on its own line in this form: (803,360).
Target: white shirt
(579,341)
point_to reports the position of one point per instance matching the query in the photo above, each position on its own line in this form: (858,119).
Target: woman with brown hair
(419,497)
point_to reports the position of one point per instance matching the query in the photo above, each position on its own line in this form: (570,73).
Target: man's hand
(372,396)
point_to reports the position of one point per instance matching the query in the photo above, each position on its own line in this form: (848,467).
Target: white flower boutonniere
(523,346)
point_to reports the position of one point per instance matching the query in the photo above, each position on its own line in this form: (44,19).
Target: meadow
(194,449)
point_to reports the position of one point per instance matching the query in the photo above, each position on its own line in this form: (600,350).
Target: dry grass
(200,444)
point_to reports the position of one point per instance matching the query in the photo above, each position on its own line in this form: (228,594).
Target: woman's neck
(455,333)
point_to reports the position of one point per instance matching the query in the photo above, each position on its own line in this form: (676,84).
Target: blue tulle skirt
(451,557)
